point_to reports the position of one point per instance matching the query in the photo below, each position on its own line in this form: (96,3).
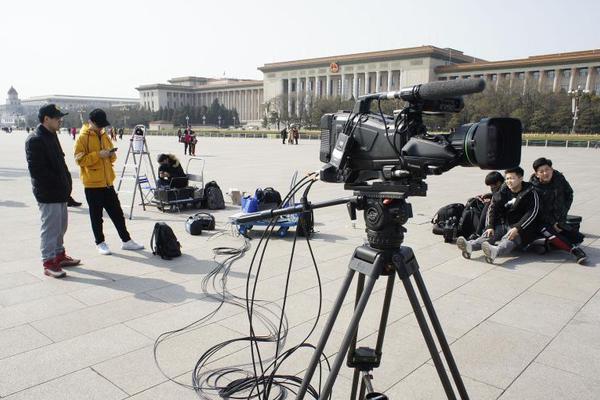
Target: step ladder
(138,158)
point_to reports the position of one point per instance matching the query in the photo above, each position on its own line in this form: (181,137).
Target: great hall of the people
(293,84)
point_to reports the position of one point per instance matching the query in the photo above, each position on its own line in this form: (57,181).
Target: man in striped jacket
(511,219)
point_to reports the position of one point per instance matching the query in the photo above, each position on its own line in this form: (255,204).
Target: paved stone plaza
(527,328)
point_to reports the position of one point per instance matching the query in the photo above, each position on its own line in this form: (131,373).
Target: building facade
(243,95)
(550,72)
(75,103)
(291,86)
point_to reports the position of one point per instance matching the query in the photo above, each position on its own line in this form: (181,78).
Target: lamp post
(124,109)
(204,120)
(81,111)
(219,118)
(234,121)
(575,97)
(187,122)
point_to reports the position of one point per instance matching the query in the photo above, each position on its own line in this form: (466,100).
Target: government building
(292,85)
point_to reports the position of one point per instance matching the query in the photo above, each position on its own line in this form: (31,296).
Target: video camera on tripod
(362,145)
(384,160)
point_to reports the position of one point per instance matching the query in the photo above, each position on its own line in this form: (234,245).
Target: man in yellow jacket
(95,155)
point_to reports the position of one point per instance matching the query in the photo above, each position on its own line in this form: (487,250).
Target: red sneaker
(52,269)
(63,260)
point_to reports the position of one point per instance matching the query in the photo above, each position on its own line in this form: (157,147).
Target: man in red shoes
(52,185)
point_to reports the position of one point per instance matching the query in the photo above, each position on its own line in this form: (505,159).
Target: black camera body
(362,145)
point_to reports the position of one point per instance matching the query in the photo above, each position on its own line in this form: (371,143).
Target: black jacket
(175,170)
(50,177)
(556,197)
(517,210)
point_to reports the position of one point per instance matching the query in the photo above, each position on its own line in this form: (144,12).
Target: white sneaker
(103,249)
(490,251)
(131,245)
(465,246)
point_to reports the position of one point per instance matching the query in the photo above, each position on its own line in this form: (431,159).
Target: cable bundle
(260,378)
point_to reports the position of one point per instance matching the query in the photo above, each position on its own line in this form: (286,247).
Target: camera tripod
(385,214)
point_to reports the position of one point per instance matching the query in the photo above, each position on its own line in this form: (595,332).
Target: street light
(575,97)
(219,118)
(81,111)
(234,120)
(187,122)
(204,120)
(124,109)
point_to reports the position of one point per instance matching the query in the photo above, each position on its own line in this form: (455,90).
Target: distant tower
(13,98)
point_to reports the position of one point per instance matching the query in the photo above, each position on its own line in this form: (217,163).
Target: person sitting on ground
(556,196)
(511,219)
(494,181)
(170,172)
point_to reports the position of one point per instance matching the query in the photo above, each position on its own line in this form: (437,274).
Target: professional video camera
(362,145)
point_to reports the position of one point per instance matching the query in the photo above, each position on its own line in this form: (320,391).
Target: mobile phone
(113,149)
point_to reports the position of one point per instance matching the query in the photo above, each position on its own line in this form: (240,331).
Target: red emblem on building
(334,67)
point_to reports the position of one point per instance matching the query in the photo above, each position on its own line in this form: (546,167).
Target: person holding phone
(95,155)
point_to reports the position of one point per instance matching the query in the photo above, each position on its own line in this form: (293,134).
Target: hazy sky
(107,48)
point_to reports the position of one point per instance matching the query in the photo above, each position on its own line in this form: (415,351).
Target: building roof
(574,57)
(12,91)
(410,52)
(216,84)
(63,97)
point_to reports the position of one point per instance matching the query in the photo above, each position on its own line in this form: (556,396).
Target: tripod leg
(439,366)
(312,366)
(355,383)
(437,327)
(339,358)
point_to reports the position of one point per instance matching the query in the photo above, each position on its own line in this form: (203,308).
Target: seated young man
(170,168)
(556,196)
(511,219)
(494,181)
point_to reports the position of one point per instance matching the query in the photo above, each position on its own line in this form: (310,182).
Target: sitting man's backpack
(213,196)
(164,242)
(470,218)
(445,221)
(199,222)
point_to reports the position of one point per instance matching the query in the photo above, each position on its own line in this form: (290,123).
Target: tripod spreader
(299,208)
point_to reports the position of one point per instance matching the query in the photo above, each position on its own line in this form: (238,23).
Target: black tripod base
(372,263)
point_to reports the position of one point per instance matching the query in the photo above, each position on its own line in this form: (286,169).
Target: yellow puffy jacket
(95,172)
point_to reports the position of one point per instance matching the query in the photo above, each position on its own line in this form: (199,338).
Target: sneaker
(103,249)
(490,251)
(72,203)
(63,260)
(579,255)
(465,246)
(131,245)
(52,269)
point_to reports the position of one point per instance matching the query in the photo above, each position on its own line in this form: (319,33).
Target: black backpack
(213,196)
(470,218)
(267,198)
(445,221)
(164,242)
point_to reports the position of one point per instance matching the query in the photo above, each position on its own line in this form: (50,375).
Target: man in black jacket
(511,219)
(556,196)
(52,185)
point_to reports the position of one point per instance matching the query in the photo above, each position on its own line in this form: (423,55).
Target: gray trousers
(54,218)
(499,239)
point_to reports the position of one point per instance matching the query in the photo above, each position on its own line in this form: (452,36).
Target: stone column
(318,86)
(343,84)
(327,85)
(512,80)
(367,81)
(298,82)
(377,81)
(355,85)
(541,80)
(591,77)
(289,96)
(556,83)
(572,79)
(389,80)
